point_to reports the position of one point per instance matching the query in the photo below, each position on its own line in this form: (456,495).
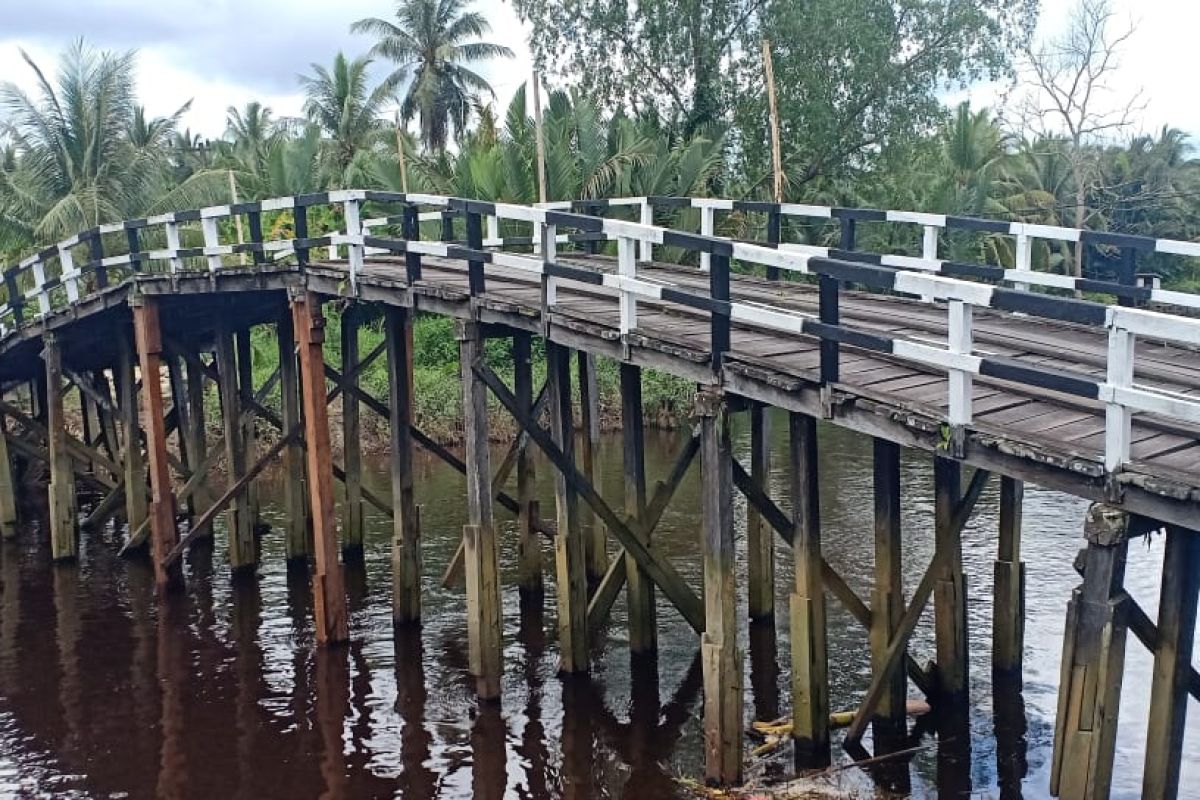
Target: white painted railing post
(493,231)
(1024,258)
(549,240)
(627,268)
(354,232)
(707,214)
(212,240)
(645,246)
(1118,419)
(70,276)
(173,244)
(929,244)
(959,341)
(39,286)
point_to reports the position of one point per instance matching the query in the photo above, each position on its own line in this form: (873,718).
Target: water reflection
(221,692)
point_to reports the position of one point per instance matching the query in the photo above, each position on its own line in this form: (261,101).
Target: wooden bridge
(1003,371)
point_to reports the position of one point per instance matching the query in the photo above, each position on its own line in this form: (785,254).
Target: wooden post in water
(810,662)
(8,495)
(352,511)
(131,457)
(721,658)
(529,549)
(589,401)
(297,541)
(949,594)
(64,523)
(245,382)
(197,446)
(329,593)
(406,523)
(1093,662)
(1008,622)
(569,548)
(164,535)
(760,538)
(639,591)
(484,626)
(1172,664)
(238,526)
(887,595)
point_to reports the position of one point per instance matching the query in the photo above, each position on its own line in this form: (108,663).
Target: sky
(227,52)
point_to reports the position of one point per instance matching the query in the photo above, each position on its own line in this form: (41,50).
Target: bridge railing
(190,241)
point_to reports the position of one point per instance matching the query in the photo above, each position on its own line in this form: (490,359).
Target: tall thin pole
(541,141)
(237,218)
(400,155)
(776,153)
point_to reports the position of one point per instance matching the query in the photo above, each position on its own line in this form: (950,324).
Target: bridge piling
(238,527)
(63,509)
(297,535)
(760,538)
(596,555)
(887,599)
(133,466)
(950,597)
(529,549)
(570,550)
(352,507)
(197,444)
(245,388)
(406,524)
(639,594)
(1008,625)
(8,497)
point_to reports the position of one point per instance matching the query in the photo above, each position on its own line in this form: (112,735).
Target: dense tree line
(665,97)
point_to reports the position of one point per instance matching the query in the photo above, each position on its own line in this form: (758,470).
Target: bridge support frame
(352,508)
(950,591)
(639,594)
(63,508)
(298,536)
(596,554)
(133,466)
(570,549)
(406,523)
(239,526)
(529,550)
(1008,621)
(760,538)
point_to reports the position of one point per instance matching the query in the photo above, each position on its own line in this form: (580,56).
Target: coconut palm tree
(432,42)
(338,102)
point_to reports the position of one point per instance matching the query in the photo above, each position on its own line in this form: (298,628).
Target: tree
(432,42)
(1073,99)
(338,102)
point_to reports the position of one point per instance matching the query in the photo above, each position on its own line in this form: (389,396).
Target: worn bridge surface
(1036,435)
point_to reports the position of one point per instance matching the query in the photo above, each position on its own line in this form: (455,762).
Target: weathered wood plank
(243,554)
(639,593)
(352,508)
(1008,621)
(297,538)
(406,522)
(760,541)
(63,508)
(570,549)
(529,547)
(595,541)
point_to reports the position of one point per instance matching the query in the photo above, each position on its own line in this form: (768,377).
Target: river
(226,695)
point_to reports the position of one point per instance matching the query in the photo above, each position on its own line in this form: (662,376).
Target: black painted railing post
(589,244)
(718,288)
(848,233)
(774,230)
(135,260)
(447,226)
(828,292)
(412,233)
(15,299)
(96,254)
(300,214)
(475,242)
(1128,274)
(256,236)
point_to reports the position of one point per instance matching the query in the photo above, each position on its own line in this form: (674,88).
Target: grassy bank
(437,395)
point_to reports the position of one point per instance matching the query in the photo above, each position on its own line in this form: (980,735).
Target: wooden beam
(8,495)
(406,523)
(721,657)
(84,455)
(297,538)
(570,550)
(132,465)
(595,542)
(887,596)
(243,556)
(163,533)
(197,445)
(658,568)
(245,382)
(329,594)
(1008,615)
(362,365)
(1172,664)
(810,682)
(63,509)
(639,595)
(484,626)
(530,581)
(352,508)
(950,593)
(760,541)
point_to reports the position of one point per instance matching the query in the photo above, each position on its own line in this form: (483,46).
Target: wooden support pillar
(133,466)
(1093,663)
(887,595)
(722,660)
(1008,622)
(949,595)
(484,625)
(298,542)
(352,511)
(639,594)
(183,415)
(163,533)
(569,547)
(406,520)
(239,524)
(1172,664)
(245,379)
(589,402)
(8,495)
(63,510)
(108,423)
(760,538)
(529,549)
(810,662)
(197,444)
(329,594)
(88,423)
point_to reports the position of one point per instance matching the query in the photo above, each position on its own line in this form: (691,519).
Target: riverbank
(437,390)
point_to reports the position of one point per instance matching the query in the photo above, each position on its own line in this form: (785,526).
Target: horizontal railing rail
(191,241)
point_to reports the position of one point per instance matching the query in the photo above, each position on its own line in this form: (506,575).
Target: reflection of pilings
(532,748)
(488,756)
(174,676)
(10,610)
(66,634)
(578,745)
(333,700)
(245,618)
(1008,708)
(8,497)
(721,657)
(416,779)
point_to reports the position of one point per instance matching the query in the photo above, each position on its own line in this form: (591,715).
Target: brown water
(222,694)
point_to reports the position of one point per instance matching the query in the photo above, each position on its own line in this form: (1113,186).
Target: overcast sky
(226,52)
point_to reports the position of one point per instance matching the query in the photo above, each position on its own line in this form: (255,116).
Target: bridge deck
(1055,440)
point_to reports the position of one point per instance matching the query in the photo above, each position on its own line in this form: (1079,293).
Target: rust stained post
(164,535)
(63,510)
(329,594)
